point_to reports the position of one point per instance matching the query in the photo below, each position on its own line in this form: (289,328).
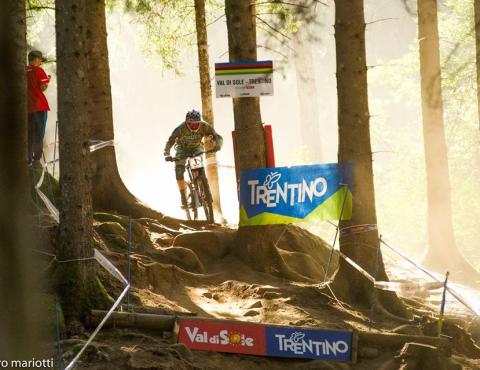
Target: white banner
(244,79)
(238,86)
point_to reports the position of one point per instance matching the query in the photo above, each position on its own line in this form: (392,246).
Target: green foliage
(167,27)
(456,28)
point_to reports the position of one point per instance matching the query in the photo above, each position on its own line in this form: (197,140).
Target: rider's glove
(168,158)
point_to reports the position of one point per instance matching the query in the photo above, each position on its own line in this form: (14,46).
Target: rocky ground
(186,268)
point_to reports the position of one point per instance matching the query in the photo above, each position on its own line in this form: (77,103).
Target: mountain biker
(187,138)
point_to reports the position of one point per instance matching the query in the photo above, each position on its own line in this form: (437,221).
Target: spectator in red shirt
(37,83)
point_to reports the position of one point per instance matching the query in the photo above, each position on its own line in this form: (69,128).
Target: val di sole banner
(266,340)
(244,79)
(284,195)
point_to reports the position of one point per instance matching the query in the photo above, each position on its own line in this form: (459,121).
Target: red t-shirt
(36,77)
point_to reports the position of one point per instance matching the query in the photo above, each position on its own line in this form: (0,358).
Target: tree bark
(254,245)
(242,46)
(442,253)
(354,147)
(476,5)
(16,327)
(207,109)
(75,279)
(109,191)
(307,94)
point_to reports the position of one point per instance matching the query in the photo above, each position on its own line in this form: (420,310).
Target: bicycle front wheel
(191,210)
(205,198)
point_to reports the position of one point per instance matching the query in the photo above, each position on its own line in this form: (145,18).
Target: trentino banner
(284,195)
(266,340)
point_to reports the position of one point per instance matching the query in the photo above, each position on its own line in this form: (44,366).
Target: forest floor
(192,269)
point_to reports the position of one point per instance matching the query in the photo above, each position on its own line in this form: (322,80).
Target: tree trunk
(75,279)
(442,253)
(207,109)
(476,5)
(354,147)
(253,244)
(109,191)
(16,328)
(242,46)
(307,94)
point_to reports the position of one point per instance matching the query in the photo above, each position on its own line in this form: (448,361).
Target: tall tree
(206,92)
(442,253)
(109,191)
(253,243)
(354,147)
(307,93)
(242,46)
(476,6)
(16,309)
(75,280)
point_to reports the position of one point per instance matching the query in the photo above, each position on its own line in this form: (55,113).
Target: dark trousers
(37,122)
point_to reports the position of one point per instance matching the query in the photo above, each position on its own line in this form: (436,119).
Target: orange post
(234,140)
(267,129)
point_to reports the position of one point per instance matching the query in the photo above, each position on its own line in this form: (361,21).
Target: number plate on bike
(195,163)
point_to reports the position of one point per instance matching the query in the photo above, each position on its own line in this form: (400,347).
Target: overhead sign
(283,195)
(243,79)
(266,340)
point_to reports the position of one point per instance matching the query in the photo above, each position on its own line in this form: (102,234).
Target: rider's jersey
(184,139)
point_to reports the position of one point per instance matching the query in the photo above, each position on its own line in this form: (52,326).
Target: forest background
(151,95)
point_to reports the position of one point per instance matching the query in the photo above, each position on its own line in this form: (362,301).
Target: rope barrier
(99,144)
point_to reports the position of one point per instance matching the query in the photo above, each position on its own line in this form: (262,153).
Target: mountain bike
(198,189)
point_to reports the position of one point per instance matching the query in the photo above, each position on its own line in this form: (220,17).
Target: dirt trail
(191,269)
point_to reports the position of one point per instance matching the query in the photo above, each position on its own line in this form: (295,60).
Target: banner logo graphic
(295,194)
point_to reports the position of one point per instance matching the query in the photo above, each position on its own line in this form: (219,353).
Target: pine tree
(354,147)
(16,326)
(442,253)
(109,191)
(75,280)
(307,93)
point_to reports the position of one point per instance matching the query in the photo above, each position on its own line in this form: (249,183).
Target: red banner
(222,336)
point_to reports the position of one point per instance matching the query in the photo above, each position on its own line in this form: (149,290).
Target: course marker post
(325,278)
(55,148)
(129,259)
(377,266)
(59,346)
(442,306)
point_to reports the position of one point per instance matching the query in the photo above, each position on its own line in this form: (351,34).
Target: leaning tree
(206,93)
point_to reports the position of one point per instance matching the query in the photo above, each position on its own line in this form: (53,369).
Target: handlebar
(192,156)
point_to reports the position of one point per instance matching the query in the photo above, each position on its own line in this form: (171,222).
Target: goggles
(193,125)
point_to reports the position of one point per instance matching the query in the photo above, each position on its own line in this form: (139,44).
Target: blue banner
(294,194)
(309,343)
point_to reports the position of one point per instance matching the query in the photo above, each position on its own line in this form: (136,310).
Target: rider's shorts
(180,164)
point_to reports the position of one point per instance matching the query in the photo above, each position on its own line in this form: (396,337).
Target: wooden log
(132,320)
(167,322)
(397,341)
